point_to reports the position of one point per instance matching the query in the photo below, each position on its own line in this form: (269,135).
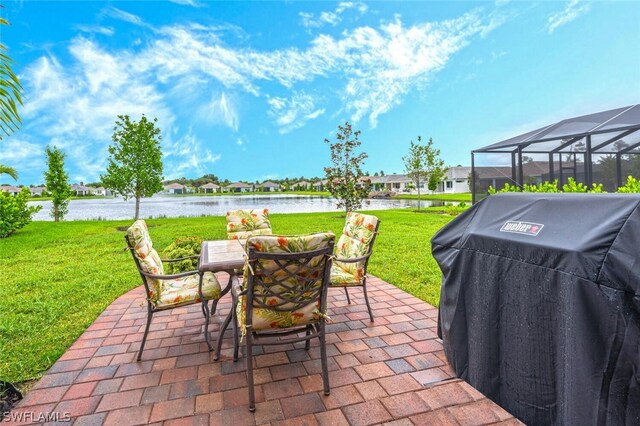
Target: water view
(169,206)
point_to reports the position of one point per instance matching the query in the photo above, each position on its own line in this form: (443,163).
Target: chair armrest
(353,259)
(169,277)
(197,256)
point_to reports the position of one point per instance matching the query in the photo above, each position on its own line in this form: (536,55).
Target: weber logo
(525,228)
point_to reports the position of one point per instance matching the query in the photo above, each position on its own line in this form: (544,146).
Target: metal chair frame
(291,300)
(151,309)
(364,278)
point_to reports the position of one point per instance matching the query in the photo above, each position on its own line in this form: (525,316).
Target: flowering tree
(345,177)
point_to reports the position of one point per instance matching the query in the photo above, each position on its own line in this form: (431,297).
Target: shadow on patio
(392,371)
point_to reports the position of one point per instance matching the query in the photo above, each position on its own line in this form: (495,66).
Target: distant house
(80,190)
(101,191)
(269,186)
(239,187)
(319,185)
(456,181)
(37,191)
(303,185)
(210,187)
(13,190)
(175,188)
(394,183)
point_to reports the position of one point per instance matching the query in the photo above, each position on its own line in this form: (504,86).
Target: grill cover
(540,305)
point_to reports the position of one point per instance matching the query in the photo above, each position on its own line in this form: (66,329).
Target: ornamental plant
(631,186)
(182,247)
(570,186)
(15,213)
(344,176)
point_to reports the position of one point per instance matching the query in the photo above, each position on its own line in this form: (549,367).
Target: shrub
(632,185)
(182,247)
(570,186)
(573,186)
(14,212)
(455,210)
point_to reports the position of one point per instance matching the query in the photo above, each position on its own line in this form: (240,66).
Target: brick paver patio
(392,371)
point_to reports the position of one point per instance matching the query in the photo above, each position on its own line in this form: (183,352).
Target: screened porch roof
(604,128)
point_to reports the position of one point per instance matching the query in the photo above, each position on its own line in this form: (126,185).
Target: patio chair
(353,250)
(242,224)
(285,285)
(168,291)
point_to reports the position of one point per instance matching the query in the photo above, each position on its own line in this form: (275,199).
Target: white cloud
(191,3)
(220,109)
(121,15)
(309,20)
(572,10)
(189,71)
(191,156)
(293,113)
(95,29)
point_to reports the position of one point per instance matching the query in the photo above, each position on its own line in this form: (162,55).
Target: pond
(191,206)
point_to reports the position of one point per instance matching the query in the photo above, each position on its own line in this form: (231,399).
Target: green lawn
(58,277)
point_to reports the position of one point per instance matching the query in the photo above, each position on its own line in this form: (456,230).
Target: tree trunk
(137,208)
(56,216)
(418,196)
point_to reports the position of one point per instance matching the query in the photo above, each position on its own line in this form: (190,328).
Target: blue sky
(249,90)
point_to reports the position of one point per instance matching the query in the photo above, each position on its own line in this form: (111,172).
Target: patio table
(220,256)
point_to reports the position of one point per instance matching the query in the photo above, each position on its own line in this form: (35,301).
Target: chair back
(357,240)
(145,257)
(242,224)
(287,279)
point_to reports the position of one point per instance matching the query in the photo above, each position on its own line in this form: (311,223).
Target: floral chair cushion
(354,242)
(242,224)
(343,278)
(184,291)
(268,274)
(147,256)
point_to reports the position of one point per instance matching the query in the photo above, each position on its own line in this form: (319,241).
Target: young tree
(135,161)
(56,180)
(344,177)
(423,165)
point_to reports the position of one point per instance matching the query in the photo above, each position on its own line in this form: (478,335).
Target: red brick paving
(391,372)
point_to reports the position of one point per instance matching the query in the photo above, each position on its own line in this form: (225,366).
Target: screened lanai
(603,147)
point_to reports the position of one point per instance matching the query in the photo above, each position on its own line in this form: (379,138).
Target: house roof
(76,187)
(395,178)
(270,184)
(175,185)
(37,189)
(320,182)
(532,168)
(614,120)
(302,182)
(9,188)
(461,172)
(210,185)
(239,185)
